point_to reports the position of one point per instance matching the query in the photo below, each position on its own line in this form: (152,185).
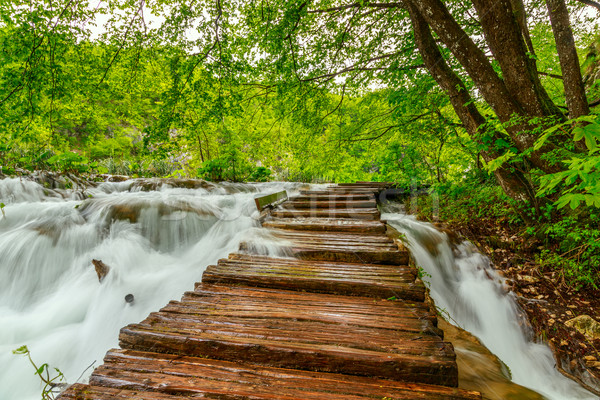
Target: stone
(101,269)
(586,325)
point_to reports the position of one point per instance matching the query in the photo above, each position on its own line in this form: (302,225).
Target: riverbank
(555,301)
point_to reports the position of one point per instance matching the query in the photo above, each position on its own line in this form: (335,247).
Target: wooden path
(347,319)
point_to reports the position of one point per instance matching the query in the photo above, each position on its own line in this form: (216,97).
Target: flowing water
(157,240)
(157,243)
(468,290)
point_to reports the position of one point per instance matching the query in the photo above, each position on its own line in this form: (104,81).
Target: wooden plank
(288,329)
(80,391)
(342,194)
(362,305)
(332,204)
(270,199)
(315,280)
(207,378)
(400,273)
(333,237)
(326,225)
(358,213)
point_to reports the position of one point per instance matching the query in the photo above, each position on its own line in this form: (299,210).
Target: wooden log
(359,213)
(132,370)
(327,225)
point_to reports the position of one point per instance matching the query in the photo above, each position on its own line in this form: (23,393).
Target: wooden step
(370,214)
(317,278)
(329,204)
(208,378)
(351,269)
(366,184)
(344,195)
(348,253)
(327,225)
(287,330)
(332,237)
(80,391)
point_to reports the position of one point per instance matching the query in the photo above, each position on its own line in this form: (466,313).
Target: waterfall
(470,292)
(157,243)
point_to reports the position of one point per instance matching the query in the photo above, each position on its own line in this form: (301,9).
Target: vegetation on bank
(567,244)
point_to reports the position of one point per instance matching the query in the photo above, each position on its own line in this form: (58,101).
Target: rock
(586,325)
(101,269)
(129,298)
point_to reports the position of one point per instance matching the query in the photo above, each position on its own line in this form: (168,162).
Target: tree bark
(514,183)
(492,88)
(569,61)
(505,37)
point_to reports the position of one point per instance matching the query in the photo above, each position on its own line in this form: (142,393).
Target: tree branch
(592,3)
(357,5)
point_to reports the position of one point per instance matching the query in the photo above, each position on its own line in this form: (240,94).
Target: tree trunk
(514,183)
(492,88)
(505,37)
(569,61)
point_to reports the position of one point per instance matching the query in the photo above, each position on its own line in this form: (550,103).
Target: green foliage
(52,384)
(573,249)
(579,184)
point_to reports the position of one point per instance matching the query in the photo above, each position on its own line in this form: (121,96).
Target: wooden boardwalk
(346,319)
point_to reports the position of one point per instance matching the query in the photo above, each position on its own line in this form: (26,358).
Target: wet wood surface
(344,317)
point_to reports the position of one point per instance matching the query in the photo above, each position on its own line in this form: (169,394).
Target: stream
(158,239)
(157,243)
(469,292)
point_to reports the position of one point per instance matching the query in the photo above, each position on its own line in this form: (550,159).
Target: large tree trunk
(567,55)
(492,88)
(514,183)
(505,37)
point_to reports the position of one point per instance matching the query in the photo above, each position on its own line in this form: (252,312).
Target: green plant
(52,384)
(2,205)
(580,182)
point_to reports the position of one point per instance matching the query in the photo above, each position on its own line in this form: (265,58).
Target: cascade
(468,291)
(156,243)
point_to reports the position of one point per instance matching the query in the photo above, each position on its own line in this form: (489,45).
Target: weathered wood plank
(315,280)
(191,376)
(400,269)
(342,194)
(439,369)
(336,236)
(395,273)
(329,204)
(270,199)
(358,213)
(80,391)
(327,225)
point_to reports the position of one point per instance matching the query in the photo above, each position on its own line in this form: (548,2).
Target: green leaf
(21,350)
(41,369)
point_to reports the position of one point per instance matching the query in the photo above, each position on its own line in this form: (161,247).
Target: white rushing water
(465,286)
(157,244)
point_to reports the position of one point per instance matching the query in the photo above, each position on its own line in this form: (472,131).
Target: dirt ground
(547,301)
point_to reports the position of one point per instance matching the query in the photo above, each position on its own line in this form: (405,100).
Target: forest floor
(548,302)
